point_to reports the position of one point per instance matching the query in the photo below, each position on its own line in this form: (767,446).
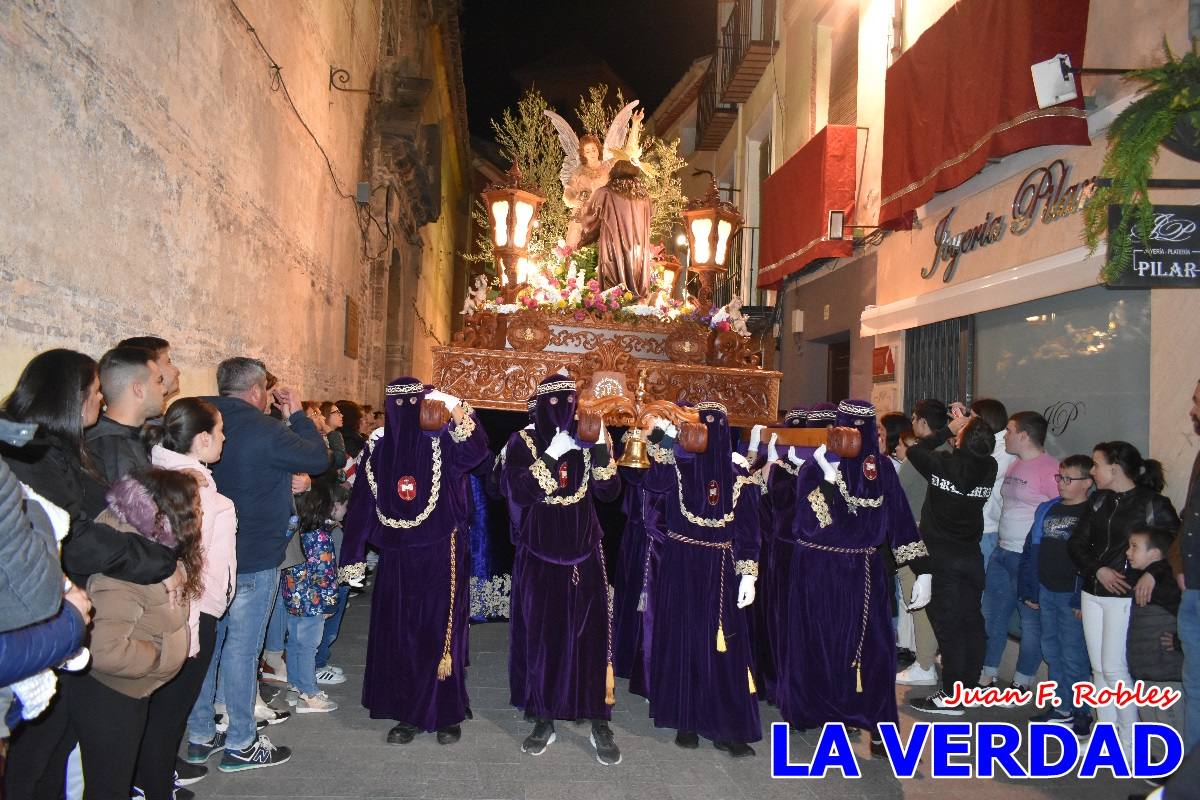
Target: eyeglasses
(1067,479)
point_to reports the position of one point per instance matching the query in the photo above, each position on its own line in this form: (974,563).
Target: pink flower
(580,316)
(614,305)
(594,285)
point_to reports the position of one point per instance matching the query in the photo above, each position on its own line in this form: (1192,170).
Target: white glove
(35,692)
(772,453)
(922,592)
(796,460)
(755,438)
(741,461)
(827,469)
(560,445)
(746,591)
(78,661)
(449,400)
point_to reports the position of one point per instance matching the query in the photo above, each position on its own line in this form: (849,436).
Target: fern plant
(1172,91)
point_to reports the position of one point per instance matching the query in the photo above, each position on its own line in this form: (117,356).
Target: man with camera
(255,472)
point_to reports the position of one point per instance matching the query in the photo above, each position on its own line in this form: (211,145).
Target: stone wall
(156,181)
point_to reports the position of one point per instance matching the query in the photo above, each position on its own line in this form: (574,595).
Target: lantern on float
(710,223)
(513,213)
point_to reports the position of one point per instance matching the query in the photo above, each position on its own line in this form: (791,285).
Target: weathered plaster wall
(154,183)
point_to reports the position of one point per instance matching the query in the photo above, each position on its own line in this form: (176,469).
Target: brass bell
(635,452)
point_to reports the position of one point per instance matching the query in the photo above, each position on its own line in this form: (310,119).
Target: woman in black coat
(59,391)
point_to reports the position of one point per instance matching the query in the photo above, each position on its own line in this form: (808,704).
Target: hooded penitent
(554,408)
(820,415)
(796,417)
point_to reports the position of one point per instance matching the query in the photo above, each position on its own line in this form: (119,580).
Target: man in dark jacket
(255,472)
(133,387)
(1185,559)
(960,483)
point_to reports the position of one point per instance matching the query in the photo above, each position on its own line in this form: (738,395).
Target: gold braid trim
(463,429)
(719,522)
(820,507)
(446,664)
(352,572)
(790,469)
(540,471)
(745,567)
(605,473)
(434,492)
(907,552)
(856,502)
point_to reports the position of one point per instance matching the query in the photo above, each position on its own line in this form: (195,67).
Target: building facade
(866,108)
(197,176)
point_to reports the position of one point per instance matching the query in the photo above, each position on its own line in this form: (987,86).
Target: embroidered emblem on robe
(714,493)
(406,487)
(562,475)
(869,468)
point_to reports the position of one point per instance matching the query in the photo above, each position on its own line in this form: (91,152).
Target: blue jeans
(1063,645)
(987,545)
(1189,636)
(201,727)
(304,636)
(245,624)
(277,626)
(333,627)
(999,600)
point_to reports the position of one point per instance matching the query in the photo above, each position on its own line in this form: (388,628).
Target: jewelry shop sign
(1170,257)
(1046,195)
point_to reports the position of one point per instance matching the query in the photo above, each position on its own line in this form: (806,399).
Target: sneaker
(330,676)
(688,740)
(1055,715)
(180,793)
(318,703)
(542,737)
(338,670)
(199,753)
(270,716)
(273,672)
(607,752)
(1017,687)
(259,754)
(916,675)
(187,773)
(735,749)
(935,704)
(1081,725)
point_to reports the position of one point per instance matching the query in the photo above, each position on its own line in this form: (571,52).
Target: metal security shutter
(938,361)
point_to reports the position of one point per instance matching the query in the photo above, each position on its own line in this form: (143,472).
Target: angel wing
(570,146)
(615,138)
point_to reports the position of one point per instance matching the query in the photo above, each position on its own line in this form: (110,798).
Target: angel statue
(732,313)
(587,161)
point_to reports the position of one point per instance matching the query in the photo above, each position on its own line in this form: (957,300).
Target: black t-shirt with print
(1056,570)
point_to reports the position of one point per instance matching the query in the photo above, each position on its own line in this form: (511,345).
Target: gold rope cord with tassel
(865,552)
(726,549)
(750,677)
(446,664)
(610,678)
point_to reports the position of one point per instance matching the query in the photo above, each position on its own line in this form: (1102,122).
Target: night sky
(649,43)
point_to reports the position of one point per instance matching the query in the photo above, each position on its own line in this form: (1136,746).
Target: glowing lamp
(512,210)
(710,223)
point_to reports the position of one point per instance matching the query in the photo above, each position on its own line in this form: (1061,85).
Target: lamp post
(513,211)
(710,223)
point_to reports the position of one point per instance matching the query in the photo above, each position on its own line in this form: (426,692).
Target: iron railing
(741,274)
(708,99)
(750,21)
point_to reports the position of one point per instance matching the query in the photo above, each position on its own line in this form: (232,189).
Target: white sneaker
(315,704)
(916,675)
(330,676)
(338,670)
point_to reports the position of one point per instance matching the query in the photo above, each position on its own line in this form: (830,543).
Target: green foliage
(594,114)
(1172,90)
(665,187)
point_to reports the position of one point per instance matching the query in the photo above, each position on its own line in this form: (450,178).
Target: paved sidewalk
(343,754)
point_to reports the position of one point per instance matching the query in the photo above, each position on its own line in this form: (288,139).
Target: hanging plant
(1168,107)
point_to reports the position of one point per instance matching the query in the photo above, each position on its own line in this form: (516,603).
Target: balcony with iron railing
(714,118)
(745,49)
(741,274)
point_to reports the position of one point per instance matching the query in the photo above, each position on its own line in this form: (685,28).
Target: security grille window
(937,361)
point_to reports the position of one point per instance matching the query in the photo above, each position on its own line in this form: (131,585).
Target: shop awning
(797,199)
(963,94)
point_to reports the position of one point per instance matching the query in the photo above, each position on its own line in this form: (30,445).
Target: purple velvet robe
(630,580)
(692,686)
(410,600)
(774,509)
(823,674)
(560,636)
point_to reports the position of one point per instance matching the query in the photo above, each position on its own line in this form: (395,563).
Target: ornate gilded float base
(504,379)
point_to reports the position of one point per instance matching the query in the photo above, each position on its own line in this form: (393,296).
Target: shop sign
(1046,194)
(883,364)
(1171,256)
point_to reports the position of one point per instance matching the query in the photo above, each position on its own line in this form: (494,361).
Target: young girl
(140,638)
(310,594)
(190,437)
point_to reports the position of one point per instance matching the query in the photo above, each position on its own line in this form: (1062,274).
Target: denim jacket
(1028,585)
(310,589)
